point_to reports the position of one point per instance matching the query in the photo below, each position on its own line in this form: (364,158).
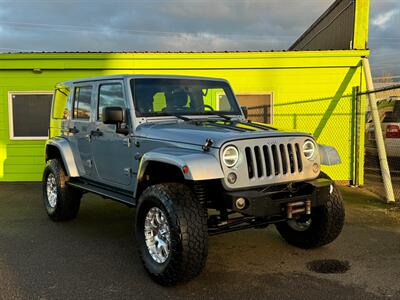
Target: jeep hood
(196,133)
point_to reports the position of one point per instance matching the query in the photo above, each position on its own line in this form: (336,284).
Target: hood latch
(208,144)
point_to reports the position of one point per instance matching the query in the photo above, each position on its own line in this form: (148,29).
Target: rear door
(81,125)
(112,151)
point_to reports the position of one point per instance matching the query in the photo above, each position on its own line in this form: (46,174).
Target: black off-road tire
(187,220)
(68,198)
(326,223)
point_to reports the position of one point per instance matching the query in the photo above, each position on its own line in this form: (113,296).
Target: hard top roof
(124,76)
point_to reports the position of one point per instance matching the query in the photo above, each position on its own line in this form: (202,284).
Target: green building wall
(296,80)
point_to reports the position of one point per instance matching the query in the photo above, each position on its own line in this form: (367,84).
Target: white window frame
(271,94)
(11,110)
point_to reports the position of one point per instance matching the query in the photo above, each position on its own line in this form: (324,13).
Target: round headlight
(230,156)
(309,149)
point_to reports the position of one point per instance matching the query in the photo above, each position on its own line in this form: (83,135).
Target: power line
(385,77)
(162,1)
(16,49)
(80,28)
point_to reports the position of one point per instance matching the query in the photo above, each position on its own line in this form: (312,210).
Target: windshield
(164,96)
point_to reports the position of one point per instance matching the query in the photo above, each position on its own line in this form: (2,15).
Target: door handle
(73,130)
(96,133)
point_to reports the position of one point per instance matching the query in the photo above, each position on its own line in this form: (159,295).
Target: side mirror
(113,115)
(245,111)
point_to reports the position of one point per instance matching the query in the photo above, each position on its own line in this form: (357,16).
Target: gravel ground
(94,256)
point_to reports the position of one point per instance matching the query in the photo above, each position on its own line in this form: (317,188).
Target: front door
(112,151)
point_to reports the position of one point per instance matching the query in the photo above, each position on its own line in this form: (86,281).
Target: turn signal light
(185,169)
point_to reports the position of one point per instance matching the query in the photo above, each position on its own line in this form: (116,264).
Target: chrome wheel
(51,187)
(299,225)
(157,235)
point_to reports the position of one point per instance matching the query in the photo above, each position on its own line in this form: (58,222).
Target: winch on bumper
(285,201)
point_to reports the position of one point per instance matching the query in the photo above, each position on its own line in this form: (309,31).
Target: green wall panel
(296,80)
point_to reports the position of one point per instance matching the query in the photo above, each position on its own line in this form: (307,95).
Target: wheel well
(52,152)
(159,172)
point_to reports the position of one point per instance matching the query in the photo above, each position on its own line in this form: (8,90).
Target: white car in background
(389,112)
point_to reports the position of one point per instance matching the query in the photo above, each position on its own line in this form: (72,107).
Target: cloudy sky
(182,25)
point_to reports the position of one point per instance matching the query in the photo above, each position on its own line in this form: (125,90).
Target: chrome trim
(157,235)
(51,189)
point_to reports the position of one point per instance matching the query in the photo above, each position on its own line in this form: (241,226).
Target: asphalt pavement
(94,256)
(373,175)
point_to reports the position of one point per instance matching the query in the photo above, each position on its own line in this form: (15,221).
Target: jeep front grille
(270,160)
(273,160)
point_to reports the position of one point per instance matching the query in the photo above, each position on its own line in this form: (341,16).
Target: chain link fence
(331,120)
(338,121)
(388,103)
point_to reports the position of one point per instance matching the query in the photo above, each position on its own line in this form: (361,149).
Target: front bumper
(266,203)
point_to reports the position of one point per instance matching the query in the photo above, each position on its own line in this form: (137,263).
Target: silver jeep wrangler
(180,150)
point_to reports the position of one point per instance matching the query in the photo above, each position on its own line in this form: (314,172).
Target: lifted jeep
(180,150)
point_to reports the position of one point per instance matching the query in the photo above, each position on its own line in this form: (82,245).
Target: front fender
(328,155)
(201,165)
(66,153)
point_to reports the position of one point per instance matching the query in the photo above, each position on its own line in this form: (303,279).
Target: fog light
(232,178)
(240,203)
(315,168)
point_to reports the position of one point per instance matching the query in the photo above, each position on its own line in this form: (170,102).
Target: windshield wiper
(166,113)
(225,117)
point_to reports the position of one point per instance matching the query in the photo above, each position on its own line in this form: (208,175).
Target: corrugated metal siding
(332,31)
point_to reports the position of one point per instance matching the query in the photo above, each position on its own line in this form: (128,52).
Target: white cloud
(382,20)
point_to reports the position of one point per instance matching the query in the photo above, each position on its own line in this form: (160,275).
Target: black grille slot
(250,162)
(284,158)
(298,156)
(259,163)
(268,163)
(276,158)
(292,158)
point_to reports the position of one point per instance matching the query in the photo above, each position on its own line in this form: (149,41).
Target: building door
(112,152)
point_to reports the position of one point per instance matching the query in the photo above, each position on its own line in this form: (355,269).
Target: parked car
(389,112)
(180,150)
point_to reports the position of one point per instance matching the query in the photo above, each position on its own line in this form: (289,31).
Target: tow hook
(299,207)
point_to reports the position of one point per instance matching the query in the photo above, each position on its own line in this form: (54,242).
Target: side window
(82,102)
(110,94)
